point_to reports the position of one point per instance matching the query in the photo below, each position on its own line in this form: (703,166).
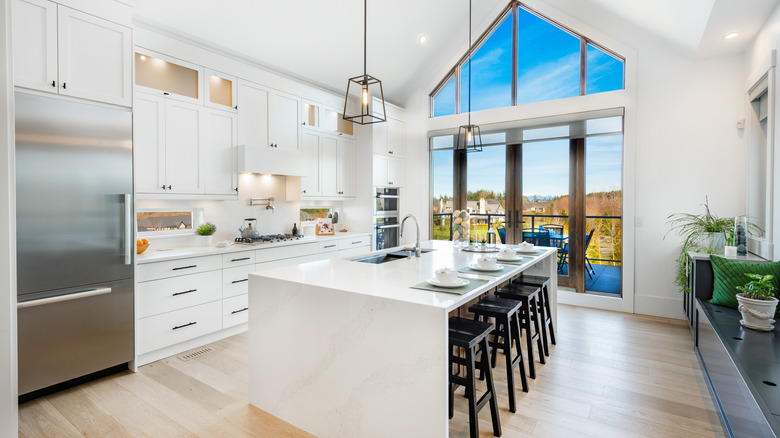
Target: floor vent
(193,354)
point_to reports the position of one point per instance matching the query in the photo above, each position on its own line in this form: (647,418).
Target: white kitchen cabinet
(346,173)
(61,50)
(168,139)
(173,78)
(221,171)
(310,150)
(388,171)
(390,137)
(335,166)
(269,130)
(184,164)
(329,166)
(220,91)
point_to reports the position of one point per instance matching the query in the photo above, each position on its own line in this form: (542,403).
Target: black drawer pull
(239,281)
(238,260)
(185,292)
(358,242)
(330,246)
(239,311)
(185,325)
(185,267)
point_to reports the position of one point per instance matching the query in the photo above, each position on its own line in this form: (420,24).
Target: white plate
(459,283)
(509,259)
(476,267)
(526,251)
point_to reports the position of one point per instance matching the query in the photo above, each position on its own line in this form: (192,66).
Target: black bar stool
(468,334)
(544,307)
(529,315)
(507,330)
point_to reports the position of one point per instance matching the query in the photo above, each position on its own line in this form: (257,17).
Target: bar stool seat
(529,319)
(505,313)
(470,335)
(544,308)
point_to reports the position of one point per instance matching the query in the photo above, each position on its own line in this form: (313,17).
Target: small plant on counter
(760,288)
(206,229)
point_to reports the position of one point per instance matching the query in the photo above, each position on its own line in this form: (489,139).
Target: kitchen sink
(387,257)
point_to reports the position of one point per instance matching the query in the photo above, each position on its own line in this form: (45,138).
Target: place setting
(528,249)
(508,255)
(447,280)
(486,265)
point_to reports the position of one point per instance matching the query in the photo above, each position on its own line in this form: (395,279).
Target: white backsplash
(228,216)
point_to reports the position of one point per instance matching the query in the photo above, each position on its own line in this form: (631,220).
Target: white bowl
(486,262)
(506,253)
(446,275)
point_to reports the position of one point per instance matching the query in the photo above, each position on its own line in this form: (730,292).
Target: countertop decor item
(460,226)
(249,229)
(369,86)
(324,227)
(205,233)
(141,245)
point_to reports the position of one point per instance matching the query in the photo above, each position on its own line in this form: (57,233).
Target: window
(164,221)
(548,59)
(312,214)
(443,191)
(491,68)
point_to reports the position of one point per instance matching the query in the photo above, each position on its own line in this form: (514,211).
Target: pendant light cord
(469,64)
(365,33)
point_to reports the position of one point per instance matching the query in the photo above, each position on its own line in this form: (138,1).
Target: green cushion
(731,273)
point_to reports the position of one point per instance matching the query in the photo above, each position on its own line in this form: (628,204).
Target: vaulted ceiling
(322,41)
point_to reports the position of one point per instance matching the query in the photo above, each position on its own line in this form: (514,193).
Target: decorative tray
(483,249)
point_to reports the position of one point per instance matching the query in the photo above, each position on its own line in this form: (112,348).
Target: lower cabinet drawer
(286,262)
(160,331)
(235,281)
(354,242)
(235,311)
(161,296)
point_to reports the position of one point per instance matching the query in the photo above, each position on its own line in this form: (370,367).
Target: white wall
(681,143)
(768,39)
(8,388)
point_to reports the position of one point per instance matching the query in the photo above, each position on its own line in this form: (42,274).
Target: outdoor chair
(537,237)
(563,255)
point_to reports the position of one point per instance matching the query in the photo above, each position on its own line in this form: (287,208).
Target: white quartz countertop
(152,255)
(393,280)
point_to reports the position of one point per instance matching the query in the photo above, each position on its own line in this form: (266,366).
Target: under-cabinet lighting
(143,57)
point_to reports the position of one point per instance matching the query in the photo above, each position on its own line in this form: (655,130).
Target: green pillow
(731,273)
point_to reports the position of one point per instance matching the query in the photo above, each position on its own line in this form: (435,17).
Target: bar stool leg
(519,346)
(549,320)
(510,373)
(492,389)
(535,314)
(471,393)
(543,322)
(529,341)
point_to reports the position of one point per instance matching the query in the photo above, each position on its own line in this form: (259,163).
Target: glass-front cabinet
(326,119)
(220,91)
(159,74)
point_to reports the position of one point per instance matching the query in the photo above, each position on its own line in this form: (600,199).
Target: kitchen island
(349,349)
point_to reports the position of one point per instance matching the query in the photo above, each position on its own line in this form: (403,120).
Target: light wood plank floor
(611,375)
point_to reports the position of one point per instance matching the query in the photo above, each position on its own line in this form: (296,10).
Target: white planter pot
(205,240)
(757,314)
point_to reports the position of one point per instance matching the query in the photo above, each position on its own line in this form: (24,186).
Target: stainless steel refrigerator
(75,246)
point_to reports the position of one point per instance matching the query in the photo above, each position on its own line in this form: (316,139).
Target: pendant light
(369,86)
(469,136)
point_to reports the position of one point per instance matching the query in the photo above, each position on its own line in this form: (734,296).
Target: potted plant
(206,231)
(758,302)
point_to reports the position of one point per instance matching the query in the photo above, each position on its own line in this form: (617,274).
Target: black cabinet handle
(239,311)
(238,260)
(165,93)
(169,186)
(330,246)
(239,281)
(185,325)
(235,107)
(304,191)
(390,183)
(64,85)
(355,243)
(185,292)
(391,152)
(185,267)
(163,187)
(54,84)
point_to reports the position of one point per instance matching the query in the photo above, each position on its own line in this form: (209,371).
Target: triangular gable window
(550,62)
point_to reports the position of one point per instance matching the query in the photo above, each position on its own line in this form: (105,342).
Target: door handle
(67,297)
(128,206)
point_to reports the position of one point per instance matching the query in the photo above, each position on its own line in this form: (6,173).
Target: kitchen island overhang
(341,348)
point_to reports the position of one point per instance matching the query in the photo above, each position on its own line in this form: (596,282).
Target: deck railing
(605,235)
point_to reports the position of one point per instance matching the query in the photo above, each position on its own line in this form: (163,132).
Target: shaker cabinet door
(220,153)
(184,163)
(35,44)
(149,143)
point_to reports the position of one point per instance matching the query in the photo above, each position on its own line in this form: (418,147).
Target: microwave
(386,201)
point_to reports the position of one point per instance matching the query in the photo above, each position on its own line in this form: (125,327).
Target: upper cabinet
(390,137)
(176,79)
(64,51)
(221,91)
(269,131)
(325,119)
(329,162)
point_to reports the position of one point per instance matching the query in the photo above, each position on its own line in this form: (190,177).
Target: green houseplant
(758,302)
(206,230)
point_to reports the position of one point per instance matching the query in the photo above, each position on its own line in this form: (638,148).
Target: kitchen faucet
(417,243)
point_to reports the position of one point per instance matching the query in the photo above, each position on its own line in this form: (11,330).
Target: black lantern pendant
(369,87)
(469,136)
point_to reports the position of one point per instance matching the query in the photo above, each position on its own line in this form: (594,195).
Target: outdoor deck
(606,279)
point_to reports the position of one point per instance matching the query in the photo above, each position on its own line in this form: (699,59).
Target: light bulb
(365,96)
(468,135)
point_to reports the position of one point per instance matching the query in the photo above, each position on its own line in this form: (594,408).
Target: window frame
(196,215)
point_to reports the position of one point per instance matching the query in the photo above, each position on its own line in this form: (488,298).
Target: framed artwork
(324,227)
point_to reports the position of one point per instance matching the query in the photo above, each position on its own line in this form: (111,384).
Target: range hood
(263,159)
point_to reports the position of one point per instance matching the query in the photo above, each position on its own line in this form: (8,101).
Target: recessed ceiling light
(729,36)
(422,39)
(143,57)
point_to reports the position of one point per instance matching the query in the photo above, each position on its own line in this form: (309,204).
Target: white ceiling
(322,41)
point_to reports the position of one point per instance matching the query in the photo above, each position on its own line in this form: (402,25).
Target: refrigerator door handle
(128,206)
(61,298)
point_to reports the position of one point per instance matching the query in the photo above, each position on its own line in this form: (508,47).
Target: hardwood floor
(611,375)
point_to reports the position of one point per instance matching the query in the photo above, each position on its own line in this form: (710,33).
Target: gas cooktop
(268,238)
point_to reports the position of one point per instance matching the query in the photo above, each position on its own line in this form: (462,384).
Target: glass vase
(740,235)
